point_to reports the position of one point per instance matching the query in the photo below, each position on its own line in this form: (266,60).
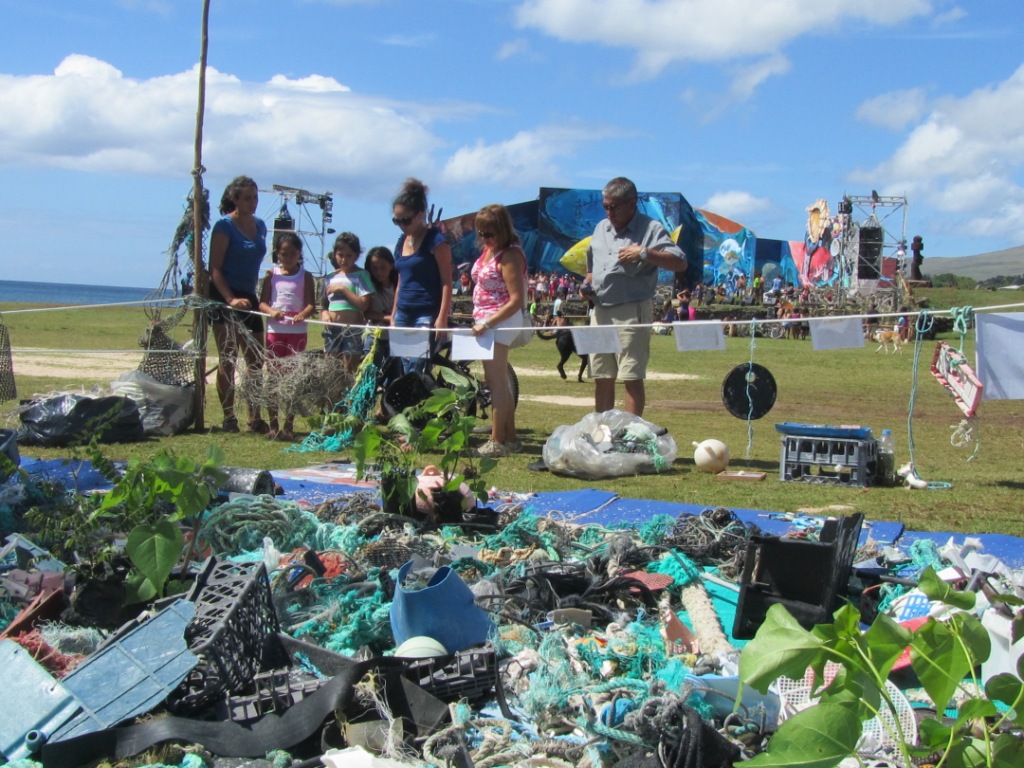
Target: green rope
(963,320)
(360,401)
(654,530)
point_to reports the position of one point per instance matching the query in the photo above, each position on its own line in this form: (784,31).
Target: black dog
(566,348)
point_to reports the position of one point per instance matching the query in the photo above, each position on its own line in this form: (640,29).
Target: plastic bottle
(887,457)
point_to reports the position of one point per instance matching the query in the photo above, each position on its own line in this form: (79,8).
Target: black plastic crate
(467,674)
(838,461)
(234,619)
(275,691)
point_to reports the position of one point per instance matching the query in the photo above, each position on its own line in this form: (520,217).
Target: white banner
(836,333)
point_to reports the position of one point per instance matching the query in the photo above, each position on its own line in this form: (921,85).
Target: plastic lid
(886,431)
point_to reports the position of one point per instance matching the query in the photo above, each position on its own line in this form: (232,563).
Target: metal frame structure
(854,211)
(308,226)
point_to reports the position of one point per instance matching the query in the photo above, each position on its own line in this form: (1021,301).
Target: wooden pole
(199,330)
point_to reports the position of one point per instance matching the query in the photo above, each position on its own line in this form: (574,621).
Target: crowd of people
(412,287)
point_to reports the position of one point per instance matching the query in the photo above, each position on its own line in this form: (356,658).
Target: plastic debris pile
(313,632)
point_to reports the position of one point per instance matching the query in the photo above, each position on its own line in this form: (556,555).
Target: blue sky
(752,109)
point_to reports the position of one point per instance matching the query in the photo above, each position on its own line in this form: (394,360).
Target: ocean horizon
(25,291)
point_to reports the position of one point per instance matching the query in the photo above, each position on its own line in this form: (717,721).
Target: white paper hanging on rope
(466,346)
(998,358)
(836,333)
(408,342)
(699,337)
(596,339)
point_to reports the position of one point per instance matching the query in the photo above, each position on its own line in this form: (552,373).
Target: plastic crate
(234,619)
(832,460)
(466,674)
(275,691)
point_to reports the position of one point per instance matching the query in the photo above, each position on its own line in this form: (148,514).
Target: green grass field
(683,394)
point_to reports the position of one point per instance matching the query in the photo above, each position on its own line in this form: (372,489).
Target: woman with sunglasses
(499,291)
(423,259)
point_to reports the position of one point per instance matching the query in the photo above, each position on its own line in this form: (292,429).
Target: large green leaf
(139,589)
(973,635)
(818,737)
(1007,751)
(780,647)
(939,661)
(935,588)
(1008,689)
(884,642)
(968,753)
(154,550)
(975,709)
(933,734)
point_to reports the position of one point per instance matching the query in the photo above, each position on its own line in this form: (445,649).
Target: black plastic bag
(66,419)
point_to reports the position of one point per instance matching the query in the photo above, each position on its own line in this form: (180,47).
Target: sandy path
(67,364)
(651,376)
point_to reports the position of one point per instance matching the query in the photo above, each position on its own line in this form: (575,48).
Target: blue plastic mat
(604,508)
(75,475)
(1009,549)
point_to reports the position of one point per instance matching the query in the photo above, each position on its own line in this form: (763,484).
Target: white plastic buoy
(420,647)
(711,456)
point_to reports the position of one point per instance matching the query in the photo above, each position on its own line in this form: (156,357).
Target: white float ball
(711,456)
(420,647)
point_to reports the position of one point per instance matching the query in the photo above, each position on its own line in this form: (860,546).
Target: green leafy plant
(437,431)
(151,499)
(448,430)
(943,654)
(389,452)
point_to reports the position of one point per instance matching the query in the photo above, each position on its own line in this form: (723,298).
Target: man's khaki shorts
(634,320)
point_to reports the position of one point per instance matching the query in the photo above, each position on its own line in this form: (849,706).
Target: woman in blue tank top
(237,247)
(423,259)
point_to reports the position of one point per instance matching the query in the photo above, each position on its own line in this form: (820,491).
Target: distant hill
(1008,262)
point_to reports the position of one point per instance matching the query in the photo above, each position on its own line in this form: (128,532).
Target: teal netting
(679,567)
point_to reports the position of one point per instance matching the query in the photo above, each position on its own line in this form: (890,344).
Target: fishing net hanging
(165,359)
(8,389)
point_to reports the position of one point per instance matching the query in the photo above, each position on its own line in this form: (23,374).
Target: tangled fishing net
(165,359)
(303,384)
(8,389)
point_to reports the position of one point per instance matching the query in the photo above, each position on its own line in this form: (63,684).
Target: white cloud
(512,49)
(735,204)
(527,159)
(895,110)
(951,16)
(966,159)
(88,116)
(421,40)
(747,79)
(666,31)
(314,83)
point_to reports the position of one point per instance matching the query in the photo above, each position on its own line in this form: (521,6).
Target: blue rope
(750,398)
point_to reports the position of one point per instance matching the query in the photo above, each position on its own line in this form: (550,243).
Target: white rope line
(655,324)
(136,350)
(141,302)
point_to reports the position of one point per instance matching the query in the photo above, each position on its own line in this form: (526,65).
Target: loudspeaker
(869,259)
